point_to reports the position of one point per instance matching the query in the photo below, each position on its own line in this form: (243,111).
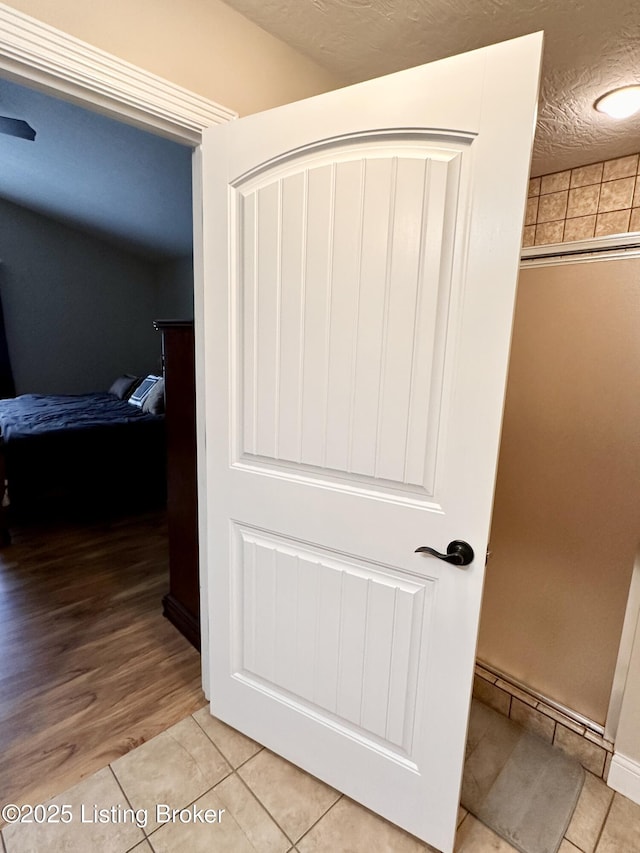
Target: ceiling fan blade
(17,127)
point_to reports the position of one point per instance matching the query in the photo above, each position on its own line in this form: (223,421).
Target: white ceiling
(591,46)
(110,179)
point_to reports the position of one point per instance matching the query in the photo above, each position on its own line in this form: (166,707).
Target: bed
(81,452)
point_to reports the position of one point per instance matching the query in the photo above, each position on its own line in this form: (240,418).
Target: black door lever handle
(459,553)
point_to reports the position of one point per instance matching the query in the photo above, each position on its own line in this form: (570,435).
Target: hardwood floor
(89,667)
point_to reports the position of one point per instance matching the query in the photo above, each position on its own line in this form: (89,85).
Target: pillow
(154,401)
(124,385)
(140,394)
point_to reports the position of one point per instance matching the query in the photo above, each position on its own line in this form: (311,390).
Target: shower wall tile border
(529,710)
(578,204)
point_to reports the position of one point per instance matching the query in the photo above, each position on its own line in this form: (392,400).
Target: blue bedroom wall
(175,289)
(78,310)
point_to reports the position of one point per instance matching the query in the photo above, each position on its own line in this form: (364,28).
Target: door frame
(35,54)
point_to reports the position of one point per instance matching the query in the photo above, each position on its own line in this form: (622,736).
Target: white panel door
(361,253)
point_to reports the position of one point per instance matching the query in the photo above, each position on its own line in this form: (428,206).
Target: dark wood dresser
(181,605)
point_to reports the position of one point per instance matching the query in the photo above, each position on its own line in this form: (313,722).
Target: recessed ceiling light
(621,103)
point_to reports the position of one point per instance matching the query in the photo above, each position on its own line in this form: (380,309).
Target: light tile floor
(258,803)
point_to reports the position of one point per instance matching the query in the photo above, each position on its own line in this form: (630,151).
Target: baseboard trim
(511,685)
(571,732)
(624,777)
(180,617)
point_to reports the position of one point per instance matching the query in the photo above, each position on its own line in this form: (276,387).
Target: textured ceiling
(591,46)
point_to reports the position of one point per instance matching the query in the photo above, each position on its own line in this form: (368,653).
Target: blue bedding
(87,450)
(36,414)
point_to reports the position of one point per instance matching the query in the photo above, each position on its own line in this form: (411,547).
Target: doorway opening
(56,66)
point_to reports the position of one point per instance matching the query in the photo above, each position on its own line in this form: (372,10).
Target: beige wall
(201,45)
(567,511)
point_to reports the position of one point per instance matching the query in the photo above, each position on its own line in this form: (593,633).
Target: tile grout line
(259,801)
(315,823)
(565,836)
(255,795)
(572,843)
(233,771)
(247,760)
(226,758)
(124,794)
(459,828)
(146,849)
(186,806)
(239,777)
(193,757)
(604,822)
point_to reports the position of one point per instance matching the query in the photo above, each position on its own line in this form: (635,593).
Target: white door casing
(361,251)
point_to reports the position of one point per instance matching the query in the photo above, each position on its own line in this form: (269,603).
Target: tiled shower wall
(591,201)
